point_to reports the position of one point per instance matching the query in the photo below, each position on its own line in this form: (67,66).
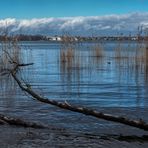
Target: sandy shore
(18,137)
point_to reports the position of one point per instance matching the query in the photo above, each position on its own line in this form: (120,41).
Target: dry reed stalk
(98,51)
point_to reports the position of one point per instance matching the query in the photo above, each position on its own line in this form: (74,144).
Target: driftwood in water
(138,124)
(18,122)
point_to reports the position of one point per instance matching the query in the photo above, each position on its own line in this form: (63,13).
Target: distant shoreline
(66,38)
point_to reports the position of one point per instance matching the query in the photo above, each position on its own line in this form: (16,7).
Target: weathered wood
(134,123)
(18,122)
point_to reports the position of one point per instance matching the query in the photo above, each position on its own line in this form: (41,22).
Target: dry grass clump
(70,59)
(67,51)
(66,55)
(98,51)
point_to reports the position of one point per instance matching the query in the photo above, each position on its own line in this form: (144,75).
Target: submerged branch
(138,124)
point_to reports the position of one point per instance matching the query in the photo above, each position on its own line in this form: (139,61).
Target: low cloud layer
(96,25)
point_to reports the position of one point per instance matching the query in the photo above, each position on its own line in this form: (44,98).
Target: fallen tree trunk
(18,122)
(134,123)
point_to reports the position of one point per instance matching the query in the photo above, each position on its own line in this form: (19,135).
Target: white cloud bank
(108,24)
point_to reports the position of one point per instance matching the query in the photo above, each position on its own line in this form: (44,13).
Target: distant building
(56,38)
(134,38)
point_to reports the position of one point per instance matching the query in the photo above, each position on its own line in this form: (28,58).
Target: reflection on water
(111,77)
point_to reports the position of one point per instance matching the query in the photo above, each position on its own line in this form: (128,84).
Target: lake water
(108,83)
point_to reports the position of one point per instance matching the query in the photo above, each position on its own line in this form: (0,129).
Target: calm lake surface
(108,83)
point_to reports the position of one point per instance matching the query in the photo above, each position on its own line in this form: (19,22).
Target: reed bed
(97,51)
(126,58)
(69,59)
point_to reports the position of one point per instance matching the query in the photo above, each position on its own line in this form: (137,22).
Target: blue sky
(28,9)
(52,17)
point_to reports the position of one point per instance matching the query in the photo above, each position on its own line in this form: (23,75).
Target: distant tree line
(23,37)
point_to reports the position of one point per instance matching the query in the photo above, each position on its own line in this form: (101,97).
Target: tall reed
(97,51)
